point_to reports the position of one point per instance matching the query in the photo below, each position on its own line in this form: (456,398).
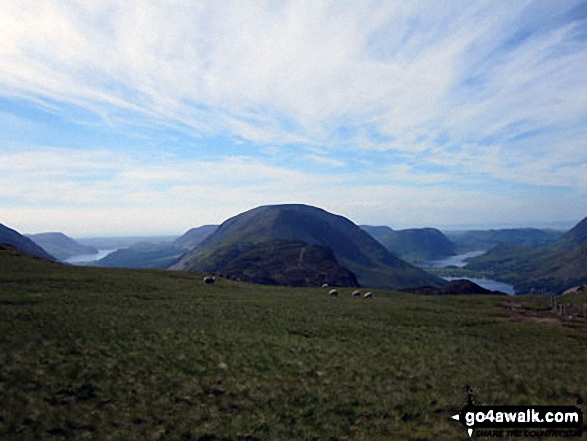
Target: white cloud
(467,96)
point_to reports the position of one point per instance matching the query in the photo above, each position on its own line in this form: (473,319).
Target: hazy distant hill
(194,236)
(377,231)
(156,255)
(486,239)
(288,263)
(12,237)
(554,267)
(415,245)
(352,247)
(60,245)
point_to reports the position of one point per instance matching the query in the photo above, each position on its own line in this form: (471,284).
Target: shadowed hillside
(288,263)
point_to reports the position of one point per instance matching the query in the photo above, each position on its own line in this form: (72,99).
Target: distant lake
(490,284)
(458,260)
(85,259)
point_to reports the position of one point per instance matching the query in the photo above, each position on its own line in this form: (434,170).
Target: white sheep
(325,285)
(357,293)
(333,293)
(368,295)
(209,280)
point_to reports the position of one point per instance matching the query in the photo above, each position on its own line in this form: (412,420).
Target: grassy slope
(123,354)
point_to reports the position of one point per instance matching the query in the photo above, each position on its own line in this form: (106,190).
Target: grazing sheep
(368,295)
(357,293)
(325,285)
(209,280)
(333,293)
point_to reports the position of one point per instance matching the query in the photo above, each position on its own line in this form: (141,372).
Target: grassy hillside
(93,353)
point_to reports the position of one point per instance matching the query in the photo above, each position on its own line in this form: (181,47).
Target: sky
(156,116)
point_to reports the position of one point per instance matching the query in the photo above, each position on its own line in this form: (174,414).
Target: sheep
(209,280)
(325,285)
(368,295)
(357,293)
(333,293)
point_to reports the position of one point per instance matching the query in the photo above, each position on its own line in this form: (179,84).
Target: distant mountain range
(416,245)
(354,249)
(553,267)
(156,255)
(12,237)
(486,239)
(60,245)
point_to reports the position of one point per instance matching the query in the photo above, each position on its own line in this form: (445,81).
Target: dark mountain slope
(288,263)
(12,237)
(353,248)
(60,245)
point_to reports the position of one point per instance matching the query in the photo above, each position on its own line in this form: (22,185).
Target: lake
(86,259)
(493,285)
(459,261)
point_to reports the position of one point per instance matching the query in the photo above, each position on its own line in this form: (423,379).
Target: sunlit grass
(115,354)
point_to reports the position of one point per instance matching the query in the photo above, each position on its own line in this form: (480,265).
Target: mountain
(352,247)
(143,255)
(415,245)
(377,231)
(156,255)
(194,236)
(553,267)
(485,239)
(8,236)
(574,237)
(60,245)
(288,263)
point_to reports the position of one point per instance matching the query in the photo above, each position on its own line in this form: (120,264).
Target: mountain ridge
(353,248)
(60,245)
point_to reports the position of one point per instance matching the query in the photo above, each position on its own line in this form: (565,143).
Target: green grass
(88,353)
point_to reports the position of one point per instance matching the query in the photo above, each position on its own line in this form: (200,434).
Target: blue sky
(152,117)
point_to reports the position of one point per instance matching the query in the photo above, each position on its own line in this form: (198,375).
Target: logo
(526,421)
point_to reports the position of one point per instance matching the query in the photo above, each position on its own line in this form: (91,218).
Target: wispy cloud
(457,98)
